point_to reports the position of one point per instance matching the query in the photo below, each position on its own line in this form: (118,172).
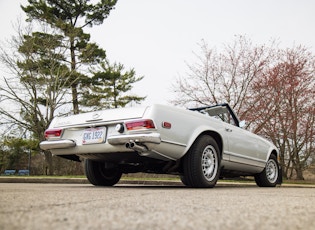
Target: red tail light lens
(53,133)
(140,124)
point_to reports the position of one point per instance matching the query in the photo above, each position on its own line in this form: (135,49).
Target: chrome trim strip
(174,143)
(244,157)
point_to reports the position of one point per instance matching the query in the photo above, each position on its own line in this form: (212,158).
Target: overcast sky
(157,37)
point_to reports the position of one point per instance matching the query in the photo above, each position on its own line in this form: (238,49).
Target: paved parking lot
(83,206)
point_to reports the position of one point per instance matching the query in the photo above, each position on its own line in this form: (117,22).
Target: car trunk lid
(98,117)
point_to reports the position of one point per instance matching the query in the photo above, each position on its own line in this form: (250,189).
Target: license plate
(93,136)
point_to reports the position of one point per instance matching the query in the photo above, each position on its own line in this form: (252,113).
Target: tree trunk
(299,172)
(49,163)
(74,86)
(75,102)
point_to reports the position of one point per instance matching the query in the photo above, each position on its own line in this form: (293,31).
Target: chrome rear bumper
(113,140)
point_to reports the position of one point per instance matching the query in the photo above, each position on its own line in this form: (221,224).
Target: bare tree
(33,91)
(284,107)
(222,77)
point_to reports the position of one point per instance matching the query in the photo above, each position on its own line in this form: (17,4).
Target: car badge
(96,115)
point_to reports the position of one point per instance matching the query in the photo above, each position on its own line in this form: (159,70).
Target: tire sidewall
(193,171)
(205,143)
(98,175)
(262,179)
(272,160)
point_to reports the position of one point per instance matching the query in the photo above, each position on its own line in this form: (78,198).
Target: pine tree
(109,87)
(70,17)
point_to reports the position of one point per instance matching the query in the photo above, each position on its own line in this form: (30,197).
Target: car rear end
(91,135)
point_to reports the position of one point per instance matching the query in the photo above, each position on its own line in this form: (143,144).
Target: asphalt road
(83,206)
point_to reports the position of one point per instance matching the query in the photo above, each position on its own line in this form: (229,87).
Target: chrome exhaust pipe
(136,147)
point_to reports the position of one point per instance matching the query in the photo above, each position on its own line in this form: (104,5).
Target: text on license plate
(93,136)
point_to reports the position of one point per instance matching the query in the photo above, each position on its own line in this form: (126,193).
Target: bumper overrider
(130,141)
(57,144)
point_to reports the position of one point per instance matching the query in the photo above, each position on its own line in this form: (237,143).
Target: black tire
(183,180)
(99,175)
(201,164)
(269,177)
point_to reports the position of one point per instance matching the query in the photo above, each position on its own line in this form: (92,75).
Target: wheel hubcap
(209,163)
(272,171)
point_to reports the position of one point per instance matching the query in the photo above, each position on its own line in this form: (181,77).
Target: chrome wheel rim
(272,171)
(209,163)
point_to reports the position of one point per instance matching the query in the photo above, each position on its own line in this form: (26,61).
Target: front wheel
(98,174)
(270,175)
(201,164)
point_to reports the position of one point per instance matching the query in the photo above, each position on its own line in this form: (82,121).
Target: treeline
(22,154)
(270,87)
(55,69)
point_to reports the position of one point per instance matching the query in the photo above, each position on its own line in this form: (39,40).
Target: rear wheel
(270,175)
(201,164)
(183,180)
(100,175)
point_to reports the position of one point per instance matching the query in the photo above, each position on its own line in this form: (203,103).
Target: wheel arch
(275,153)
(215,135)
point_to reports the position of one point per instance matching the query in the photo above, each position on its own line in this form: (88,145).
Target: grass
(156,177)
(310,182)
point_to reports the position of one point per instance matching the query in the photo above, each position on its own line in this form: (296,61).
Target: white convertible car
(201,145)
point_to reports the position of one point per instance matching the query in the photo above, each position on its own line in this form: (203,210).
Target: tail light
(139,124)
(53,133)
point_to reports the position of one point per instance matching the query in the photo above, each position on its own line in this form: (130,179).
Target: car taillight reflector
(51,133)
(139,124)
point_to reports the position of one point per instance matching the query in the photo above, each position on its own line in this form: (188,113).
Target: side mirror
(242,124)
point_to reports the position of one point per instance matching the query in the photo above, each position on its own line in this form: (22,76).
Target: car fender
(199,131)
(271,150)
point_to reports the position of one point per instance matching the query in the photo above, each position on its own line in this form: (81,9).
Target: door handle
(228,130)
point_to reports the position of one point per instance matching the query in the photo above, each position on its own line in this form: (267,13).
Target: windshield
(221,112)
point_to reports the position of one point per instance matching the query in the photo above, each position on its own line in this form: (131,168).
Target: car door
(242,148)
(245,148)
